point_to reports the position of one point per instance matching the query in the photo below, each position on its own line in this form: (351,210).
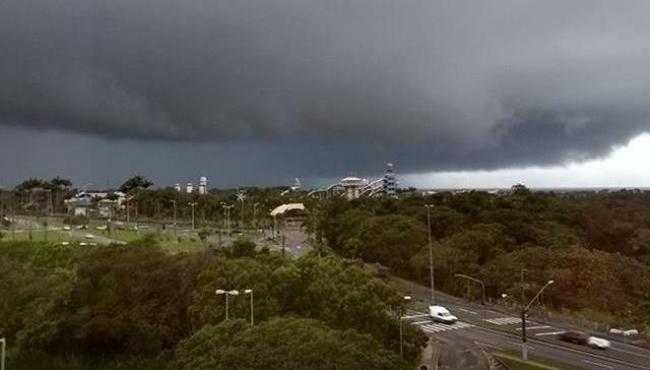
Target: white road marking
(468,311)
(597,364)
(505,320)
(439,327)
(535,327)
(421,322)
(549,333)
(414,317)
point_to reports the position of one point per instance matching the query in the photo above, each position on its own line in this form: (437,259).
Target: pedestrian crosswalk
(438,327)
(504,320)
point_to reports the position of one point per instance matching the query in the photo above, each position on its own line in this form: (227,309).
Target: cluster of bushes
(136,307)
(595,246)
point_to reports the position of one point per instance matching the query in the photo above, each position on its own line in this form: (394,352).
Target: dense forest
(137,307)
(596,246)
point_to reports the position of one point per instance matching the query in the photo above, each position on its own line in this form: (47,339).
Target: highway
(490,328)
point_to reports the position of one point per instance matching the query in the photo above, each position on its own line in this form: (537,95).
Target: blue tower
(390,183)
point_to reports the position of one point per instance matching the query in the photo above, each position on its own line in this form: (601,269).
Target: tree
(135,182)
(283,344)
(243,247)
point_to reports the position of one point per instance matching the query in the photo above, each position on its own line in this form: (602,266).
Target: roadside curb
(492,362)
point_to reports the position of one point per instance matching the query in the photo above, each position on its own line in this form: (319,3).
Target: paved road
(500,330)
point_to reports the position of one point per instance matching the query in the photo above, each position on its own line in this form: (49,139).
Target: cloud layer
(428,84)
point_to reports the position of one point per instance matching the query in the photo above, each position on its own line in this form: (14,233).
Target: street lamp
(192,204)
(463,276)
(524,349)
(3,342)
(406,298)
(428,207)
(250,291)
(226,293)
(226,211)
(241,196)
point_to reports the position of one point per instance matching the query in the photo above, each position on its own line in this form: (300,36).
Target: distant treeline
(596,246)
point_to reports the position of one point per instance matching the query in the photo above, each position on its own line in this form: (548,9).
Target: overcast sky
(455,92)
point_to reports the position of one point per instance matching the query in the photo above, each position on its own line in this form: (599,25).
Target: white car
(599,343)
(441,314)
(90,236)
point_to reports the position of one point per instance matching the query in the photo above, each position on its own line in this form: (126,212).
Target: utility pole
(226,211)
(174,206)
(192,204)
(523,297)
(128,219)
(433,297)
(241,196)
(3,342)
(524,311)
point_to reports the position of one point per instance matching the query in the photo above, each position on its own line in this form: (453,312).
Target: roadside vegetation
(136,306)
(596,246)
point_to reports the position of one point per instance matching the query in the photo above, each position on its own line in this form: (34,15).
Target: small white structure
(352,186)
(190,188)
(203,185)
(281,209)
(177,187)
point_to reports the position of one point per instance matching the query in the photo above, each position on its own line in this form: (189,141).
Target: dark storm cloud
(428,84)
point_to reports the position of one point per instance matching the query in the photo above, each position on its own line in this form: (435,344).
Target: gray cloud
(428,84)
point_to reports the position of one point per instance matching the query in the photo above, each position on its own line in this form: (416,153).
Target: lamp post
(250,291)
(226,293)
(524,349)
(401,330)
(192,204)
(241,196)
(3,342)
(174,206)
(433,297)
(467,277)
(226,211)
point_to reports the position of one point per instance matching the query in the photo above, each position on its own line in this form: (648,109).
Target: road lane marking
(598,364)
(468,311)
(635,365)
(535,327)
(421,322)
(549,333)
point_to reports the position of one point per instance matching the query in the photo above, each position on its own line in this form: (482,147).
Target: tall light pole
(174,206)
(463,276)
(401,330)
(241,196)
(250,291)
(524,349)
(433,297)
(226,293)
(192,204)
(3,342)
(226,210)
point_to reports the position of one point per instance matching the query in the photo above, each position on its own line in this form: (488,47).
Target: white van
(441,314)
